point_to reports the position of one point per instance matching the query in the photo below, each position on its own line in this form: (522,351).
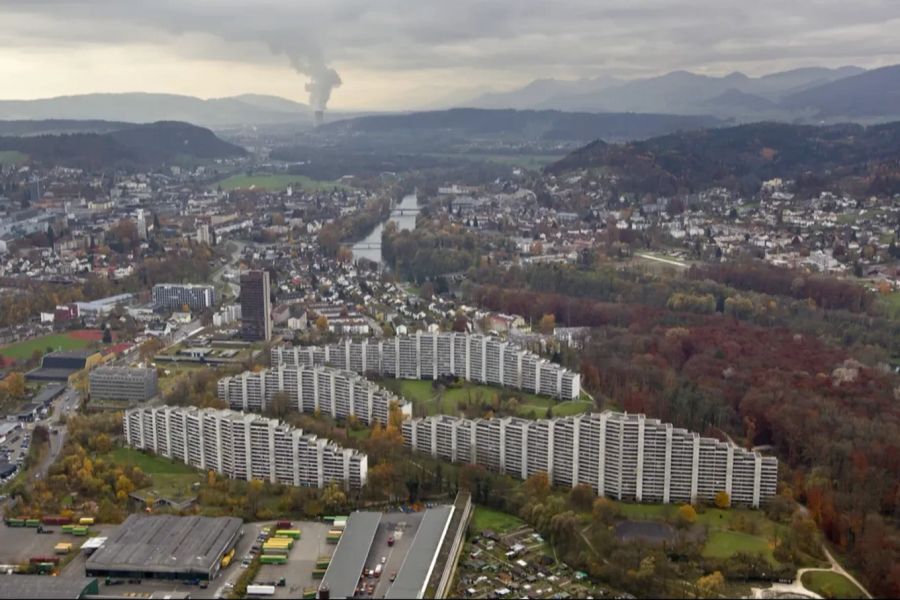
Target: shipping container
(322,562)
(273,551)
(291,533)
(15,522)
(318,573)
(63,548)
(44,559)
(86,521)
(67,528)
(283,525)
(261,590)
(272,559)
(32,522)
(56,520)
(310,593)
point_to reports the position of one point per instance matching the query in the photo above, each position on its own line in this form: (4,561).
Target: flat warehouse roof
(166,544)
(350,555)
(416,570)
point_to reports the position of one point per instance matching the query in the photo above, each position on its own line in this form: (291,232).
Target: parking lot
(19,544)
(301,561)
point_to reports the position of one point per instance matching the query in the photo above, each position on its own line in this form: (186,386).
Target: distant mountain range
(518,125)
(742,157)
(246,109)
(117,144)
(802,94)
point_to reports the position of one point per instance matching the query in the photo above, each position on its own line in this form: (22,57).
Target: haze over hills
(139,144)
(521,124)
(787,95)
(149,107)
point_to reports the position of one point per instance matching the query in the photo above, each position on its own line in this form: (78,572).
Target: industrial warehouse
(165,547)
(620,455)
(473,357)
(244,446)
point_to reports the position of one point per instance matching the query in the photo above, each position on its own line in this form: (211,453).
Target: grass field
(891,304)
(722,544)
(274,183)
(530,405)
(831,585)
(171,479)
(499,522)
(57,341)
(11,157)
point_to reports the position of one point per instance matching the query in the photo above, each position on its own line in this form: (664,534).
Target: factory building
(473,357)
(244,446)
(338,393)
(165,547)
(621,455)
(123,383)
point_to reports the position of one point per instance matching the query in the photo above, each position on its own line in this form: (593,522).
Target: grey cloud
(527,37)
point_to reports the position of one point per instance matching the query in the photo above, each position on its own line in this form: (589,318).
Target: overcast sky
(394,54)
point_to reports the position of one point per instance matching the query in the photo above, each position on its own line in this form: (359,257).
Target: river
(370,246)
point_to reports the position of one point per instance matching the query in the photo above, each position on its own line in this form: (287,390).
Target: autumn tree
(547,324)
(710,586)
(537,486)
(14,385)
(322,323)
(581,497)
(334,497)
(605,511)
(686,515)
(722,500)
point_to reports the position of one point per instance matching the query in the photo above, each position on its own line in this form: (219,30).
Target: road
(218,275)
(667,261)
(66,404)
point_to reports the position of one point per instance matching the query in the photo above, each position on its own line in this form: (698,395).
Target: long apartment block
(620,455)
(312,389)
(244,446)
(473,357)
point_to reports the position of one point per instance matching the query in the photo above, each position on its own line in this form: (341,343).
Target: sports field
(11,157)
(73,340)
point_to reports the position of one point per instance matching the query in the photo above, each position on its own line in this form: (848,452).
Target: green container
(67,528)
(16,522)
(310,593)
(32,522)
(318,574)
(275,551)
(80,531)
(323,563)
(290,533)
(273,559)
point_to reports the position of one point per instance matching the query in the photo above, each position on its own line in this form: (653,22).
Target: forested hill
(523,124)
(144,145)
(742,157)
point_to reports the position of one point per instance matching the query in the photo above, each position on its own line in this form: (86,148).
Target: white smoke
(322,78)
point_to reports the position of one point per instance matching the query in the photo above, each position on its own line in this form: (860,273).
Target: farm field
(274,182)
(57,341)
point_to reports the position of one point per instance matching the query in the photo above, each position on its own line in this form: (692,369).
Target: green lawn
(149,463)
(722,544)
(171,479)
(58,341)
(499,522)
(275,182)
(530,405)
(11,157)
(831,585)
(891,305)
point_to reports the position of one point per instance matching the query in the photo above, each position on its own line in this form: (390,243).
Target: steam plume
(322,78)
